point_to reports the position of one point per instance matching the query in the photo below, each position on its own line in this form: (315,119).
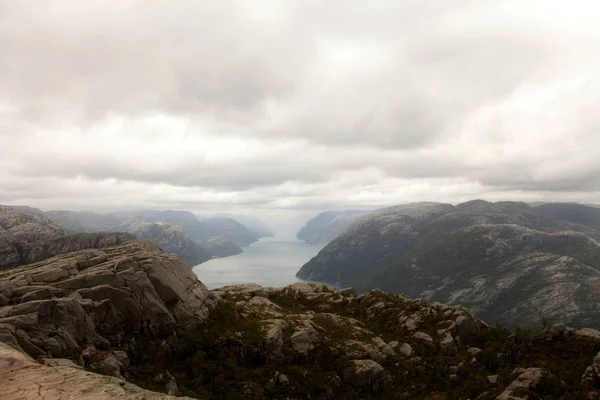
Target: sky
(280,108)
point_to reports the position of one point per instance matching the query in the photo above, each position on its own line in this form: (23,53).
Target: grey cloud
(324,103)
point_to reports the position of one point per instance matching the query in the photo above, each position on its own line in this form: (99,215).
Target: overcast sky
(267,105)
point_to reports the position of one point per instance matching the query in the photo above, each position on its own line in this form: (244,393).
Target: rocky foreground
(130,321)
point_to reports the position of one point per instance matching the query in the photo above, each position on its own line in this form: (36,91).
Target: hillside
(326,226)
(508,262)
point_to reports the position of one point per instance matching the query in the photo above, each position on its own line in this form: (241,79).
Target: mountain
(326,226)
(222,247)
(507,261)
(176,231)
(230,229)
(170,237)
(255,225)
(131,322)
(26,238)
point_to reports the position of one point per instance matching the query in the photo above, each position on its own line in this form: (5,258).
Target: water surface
(268,262)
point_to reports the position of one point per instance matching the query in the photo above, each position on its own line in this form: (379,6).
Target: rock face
(99,297)
(326,226)
(508,262)
(23,378)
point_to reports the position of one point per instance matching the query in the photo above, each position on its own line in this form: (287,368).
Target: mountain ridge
(451,253)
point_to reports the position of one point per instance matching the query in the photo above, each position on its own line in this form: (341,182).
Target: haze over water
(268,262)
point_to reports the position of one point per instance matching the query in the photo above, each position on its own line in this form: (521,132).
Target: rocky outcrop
(101,298)
(23,378)
(326,226)
(507,262)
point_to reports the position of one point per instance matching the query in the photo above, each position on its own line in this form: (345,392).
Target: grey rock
(367,375)
(122,357)
(448,346)
(95,294)
(304,339)
(109,366)
(474,351)
(30,380)
(526,380)
(282,379)
(406,350)
(493,379)
(424,337)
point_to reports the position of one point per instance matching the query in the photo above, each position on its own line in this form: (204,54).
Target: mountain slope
(171,238)
(505,261)
(230,229)
(255,225)
(326,226)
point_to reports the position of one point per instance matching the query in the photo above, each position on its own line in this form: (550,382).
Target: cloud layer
(297,104)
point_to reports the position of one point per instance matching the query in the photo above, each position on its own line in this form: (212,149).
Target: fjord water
(268,262)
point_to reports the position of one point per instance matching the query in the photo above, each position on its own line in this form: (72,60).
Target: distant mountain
(27,237)
(259,228)
(170,237)
(230,229)
(507,261)
(221,247)
(179,232)
(27,209)
(326,226)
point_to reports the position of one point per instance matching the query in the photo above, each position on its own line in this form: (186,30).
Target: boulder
(367,375)
(528,380)
(406,350)
(424,337)
(448,346)
(108,366)
(304,339)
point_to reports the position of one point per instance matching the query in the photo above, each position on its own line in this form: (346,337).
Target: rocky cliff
(508,262)
(326,226)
